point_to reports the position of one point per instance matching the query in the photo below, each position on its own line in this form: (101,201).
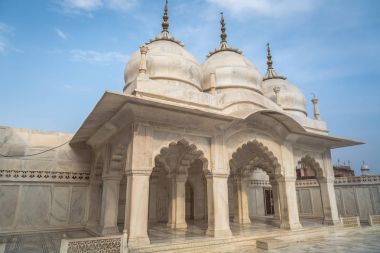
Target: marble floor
(354,241)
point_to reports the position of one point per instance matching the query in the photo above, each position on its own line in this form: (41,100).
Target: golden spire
(165,18)
(271,73)
(165,34)
(223,34)
(223,45)
(269,58)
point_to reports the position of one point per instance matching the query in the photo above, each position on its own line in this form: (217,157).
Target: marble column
(153,199)
(95,198)
(276,202)
(241,201)
(136,209)
(217,206)
(330,209)
(110,205)
(177,204)
(288,203)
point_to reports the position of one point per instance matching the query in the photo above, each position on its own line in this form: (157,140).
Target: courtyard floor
(361,240)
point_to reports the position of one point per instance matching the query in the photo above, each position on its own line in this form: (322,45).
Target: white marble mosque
(207,151)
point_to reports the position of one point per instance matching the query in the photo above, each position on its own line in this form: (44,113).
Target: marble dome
(231,70)
(290,98)
(227,69)
(167,61)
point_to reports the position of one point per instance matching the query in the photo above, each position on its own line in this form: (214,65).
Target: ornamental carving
(112,245)
(44,176)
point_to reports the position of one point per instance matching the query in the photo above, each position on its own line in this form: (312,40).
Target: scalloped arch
(253,155)
(178,156)
(313,164)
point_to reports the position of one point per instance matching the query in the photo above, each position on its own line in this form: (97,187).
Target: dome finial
(165,18)
(223,34)
(223,45)
(165,34)
(271,73)
(269,58)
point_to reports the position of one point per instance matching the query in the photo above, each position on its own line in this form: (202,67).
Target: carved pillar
(153,198)
(241,201)
(95,196)
(136,213)
(276,202)
(177,218)
(110,205)
(288,203)
(330,210)
(217,205)
(139,166)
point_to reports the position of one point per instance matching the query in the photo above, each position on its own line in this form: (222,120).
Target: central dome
(167,61)
(226,69)
(231,70)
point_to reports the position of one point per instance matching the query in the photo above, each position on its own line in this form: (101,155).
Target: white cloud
(61,33)
(81,5)
(120,5)
(5,31)
(272,8)
(88,6)
(3,46)
(98,57)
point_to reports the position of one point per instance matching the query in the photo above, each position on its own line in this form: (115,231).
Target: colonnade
(138,174)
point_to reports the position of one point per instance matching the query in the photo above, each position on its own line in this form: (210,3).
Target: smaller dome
(290,98)
(231,70)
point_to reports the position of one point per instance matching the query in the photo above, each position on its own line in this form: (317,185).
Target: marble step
(212,245)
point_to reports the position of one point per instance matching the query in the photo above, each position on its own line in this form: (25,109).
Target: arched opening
(309,196)
(251,168)
(178,192)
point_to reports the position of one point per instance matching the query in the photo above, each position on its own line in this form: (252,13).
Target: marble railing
(357,180)
(259,183)
(110,244)
(43,176)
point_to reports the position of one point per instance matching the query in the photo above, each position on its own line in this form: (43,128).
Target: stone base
(288,226)
(225,233)
(330,222)
(138,241)
(177,225)
(109,231)
(269,244)
(276,222)
(246,221)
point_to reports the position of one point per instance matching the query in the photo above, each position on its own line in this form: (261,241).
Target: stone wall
(355,196)
(45,191)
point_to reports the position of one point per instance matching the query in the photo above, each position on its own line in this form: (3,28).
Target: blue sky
(58,57)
